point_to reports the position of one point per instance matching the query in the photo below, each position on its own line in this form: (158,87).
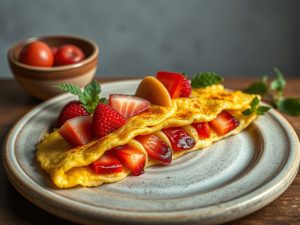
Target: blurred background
(139,37)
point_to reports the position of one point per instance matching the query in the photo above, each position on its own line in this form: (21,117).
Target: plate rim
(268,191)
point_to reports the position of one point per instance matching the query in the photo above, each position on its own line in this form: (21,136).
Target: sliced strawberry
(69,111)
(156,148)
(179,138)
(106,120)
(132,158)
(107,163)
(224,123)
(77,131)
(202,129)
(128,105)
(172,81)
(186,88)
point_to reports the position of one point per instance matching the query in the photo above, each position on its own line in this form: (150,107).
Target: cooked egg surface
(69,166)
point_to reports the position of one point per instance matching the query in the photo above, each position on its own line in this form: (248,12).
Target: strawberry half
(106,120)
(107,163)
(172,81)
(186,88)
(69,111)
(77,131)
(156,148)
(224,123)
(132,158)
(202,129)
(179,138)
(128,105)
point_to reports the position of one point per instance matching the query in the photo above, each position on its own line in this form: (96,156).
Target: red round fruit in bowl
(68,54)
(37,54)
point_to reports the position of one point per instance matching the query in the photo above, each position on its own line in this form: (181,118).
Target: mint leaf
(247,112)
(255,108)
(92,89)
(259,88)
(205,79)
(72,88)
(254,103)
(89,97)
(290,106)
(262,110)
(279,83)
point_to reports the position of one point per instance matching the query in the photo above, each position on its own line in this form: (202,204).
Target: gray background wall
(138,37)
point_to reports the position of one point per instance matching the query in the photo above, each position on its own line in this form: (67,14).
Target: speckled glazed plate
(232,178)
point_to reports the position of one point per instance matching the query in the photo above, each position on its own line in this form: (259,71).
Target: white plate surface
(232,178)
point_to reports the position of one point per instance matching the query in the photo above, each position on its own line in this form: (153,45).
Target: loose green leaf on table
(290,106)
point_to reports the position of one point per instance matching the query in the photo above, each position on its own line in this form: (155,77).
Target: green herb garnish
(274,91)
(256,108)
(89,97)
(205,79)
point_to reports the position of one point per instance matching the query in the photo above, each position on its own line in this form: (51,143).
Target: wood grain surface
(14,209)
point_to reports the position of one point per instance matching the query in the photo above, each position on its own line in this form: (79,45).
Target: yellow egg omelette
(69,167)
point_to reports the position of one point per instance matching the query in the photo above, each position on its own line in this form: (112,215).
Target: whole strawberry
(186,88)
(88,100)
(106,120)
(69,111)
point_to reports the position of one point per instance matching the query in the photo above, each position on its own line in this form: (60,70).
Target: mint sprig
(89,96)
(274,91)
(205,79)
(256,108)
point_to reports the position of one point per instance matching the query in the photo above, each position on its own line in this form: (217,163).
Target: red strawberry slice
(107,163)
(128,105)
(179,138)
(77,131)
(224,123)
(106,120)
(69,111)
(172,81)
(202,129)
(186,88)
(132,158)
(156,148)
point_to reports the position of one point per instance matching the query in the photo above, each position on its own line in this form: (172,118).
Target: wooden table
(14,209)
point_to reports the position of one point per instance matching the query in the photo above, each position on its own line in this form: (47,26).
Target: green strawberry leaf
(205,79)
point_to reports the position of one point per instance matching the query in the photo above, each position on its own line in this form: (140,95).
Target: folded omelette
(69,167)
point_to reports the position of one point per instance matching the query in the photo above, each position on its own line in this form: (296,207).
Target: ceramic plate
(232,178)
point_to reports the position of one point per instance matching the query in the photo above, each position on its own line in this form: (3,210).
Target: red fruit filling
(132,158)
(202,129)
(107,163)
(224,123)
(179,138)
(156,148)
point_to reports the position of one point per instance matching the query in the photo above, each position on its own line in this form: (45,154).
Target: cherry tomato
(37,54)
(68,54)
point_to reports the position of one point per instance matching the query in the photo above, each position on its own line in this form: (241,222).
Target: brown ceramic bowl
(40,81)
